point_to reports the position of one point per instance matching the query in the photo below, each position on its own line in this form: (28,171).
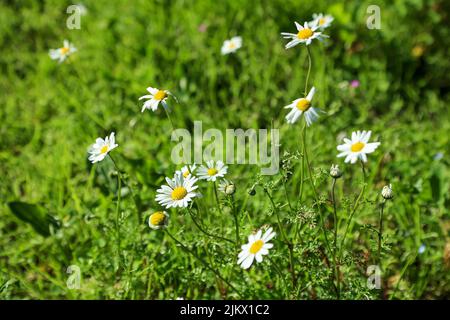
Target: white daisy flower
(178,192)
(387,192)
(357,147)
(158,220)
(256,247)
(155,97)
(186,171)
(231,45)
(303,106)
(101,147)
(321,20)
(63,53)
(212,170)
(306,34)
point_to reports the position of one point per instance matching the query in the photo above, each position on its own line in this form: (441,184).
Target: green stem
(286,240)
(129,187)
(207,265)
(204,231)
(353,210)
(309,70)
(217,199)
(119,192)
(170,119)
(380,233)
(337,271)
(236,222)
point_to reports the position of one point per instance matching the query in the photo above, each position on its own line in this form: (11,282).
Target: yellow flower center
(186,173)
(256,246)
(232,45)
(157,218)
(303,104)
(161,94)
(212,171)
(304,34)
(356,147)
(104,149)
(179,193)
(322,21)
(64,50)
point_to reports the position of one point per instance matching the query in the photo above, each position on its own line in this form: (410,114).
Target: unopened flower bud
(227,187)
(335,172)
(387,192)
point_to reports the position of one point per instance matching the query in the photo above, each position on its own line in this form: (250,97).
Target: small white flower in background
(335,172)
(187,171)
(212,170)
(387,192)
(231,45)
(358,147)
(306,34)
(178,192)
(438,156)
(158,220)
(322,21)
(63,53)
(422,249)
(227,187)
(101,147)
(303,106)
(257,246)
(155,97)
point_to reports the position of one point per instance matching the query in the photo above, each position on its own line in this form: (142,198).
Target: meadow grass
(52,112)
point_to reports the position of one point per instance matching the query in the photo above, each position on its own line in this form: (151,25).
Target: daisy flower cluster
(181,189)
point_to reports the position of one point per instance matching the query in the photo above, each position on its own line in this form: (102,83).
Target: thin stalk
(353,210)
(204,231)
(217,199)
(309,70)
(170,119)
(337,271)
(129,187)
(216,272)
(380,233)
(119,192)
(236,222)
(288,243)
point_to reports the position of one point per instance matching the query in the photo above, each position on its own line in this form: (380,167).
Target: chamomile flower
(306,34)
(101,147)
(303,106)
(187,171)
(231,45)
(322,21)
(257,246)
(358,147)
(178,192)
(158,220)
(212,170)
(63,53)
(155,97)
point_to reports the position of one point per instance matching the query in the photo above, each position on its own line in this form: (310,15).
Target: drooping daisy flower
(232,45)
(257,246)
(158,220)
(306,34)
(387,192)
(322,21)
(358,147)
(155,97)
(303,106)
(101,147)
(178,192)
(212,170)
(186,171)
(63,53)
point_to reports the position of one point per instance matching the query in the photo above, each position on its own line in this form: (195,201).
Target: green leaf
(35,215)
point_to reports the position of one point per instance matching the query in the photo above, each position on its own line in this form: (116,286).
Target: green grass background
(50,113)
